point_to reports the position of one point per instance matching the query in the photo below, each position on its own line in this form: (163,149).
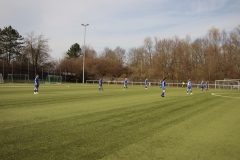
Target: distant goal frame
(17,78)
(53,79)
(227,84)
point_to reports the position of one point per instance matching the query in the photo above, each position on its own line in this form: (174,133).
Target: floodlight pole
(85,25)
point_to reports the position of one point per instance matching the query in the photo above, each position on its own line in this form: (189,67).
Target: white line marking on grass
(219,95)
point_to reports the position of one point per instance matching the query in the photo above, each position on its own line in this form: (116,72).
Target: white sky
(113,23)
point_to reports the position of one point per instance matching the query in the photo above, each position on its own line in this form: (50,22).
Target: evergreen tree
(74,51)
(11,43)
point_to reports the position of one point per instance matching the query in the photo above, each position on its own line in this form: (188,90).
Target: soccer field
(76,121)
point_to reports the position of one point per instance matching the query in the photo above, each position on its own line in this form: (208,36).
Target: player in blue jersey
(36,84)
(100,88)
(202,86)
(146,83)
(125,84)
(206,84)
(163,84)
(189,86)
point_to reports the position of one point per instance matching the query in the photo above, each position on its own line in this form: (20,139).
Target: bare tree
(108,53)
(148,45)
(90,52)
(231,49)
(98,67)
(37,49)
(120,54)
(213,53)
(137,62)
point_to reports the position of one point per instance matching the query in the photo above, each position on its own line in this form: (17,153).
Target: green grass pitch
(76,121)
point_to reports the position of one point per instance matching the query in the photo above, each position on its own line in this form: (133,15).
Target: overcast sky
(112,23)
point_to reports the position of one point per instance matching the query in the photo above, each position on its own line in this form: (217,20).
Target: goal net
(17,78)
(1,78)
(53,79)
(227,84)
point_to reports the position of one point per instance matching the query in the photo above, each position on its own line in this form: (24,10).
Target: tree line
(213,56)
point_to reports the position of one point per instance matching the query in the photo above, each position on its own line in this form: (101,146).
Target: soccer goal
(53,79)
(227,84)
(17,78)
(1,78)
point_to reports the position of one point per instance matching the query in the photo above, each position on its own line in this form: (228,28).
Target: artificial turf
(76,121)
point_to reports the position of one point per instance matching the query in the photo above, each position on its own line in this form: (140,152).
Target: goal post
(53,79)
(227,84)
(17,78)
(1,78)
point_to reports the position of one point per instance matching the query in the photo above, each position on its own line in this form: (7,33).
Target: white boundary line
(214,94)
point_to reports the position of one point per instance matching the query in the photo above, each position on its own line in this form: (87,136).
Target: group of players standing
(202,85)
(100,86)
(162,84)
